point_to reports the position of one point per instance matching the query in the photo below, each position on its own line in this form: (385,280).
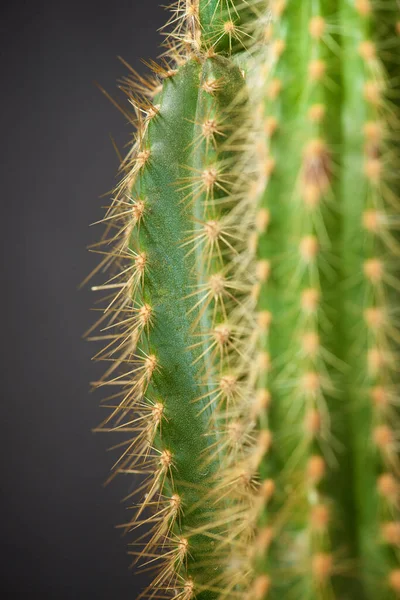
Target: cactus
(252,326)
(166,215)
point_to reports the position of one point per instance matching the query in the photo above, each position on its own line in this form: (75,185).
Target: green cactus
(253,326)
(168,282)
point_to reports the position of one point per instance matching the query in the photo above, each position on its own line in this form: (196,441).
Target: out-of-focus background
(57,521)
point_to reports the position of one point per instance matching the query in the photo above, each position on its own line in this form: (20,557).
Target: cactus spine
(256,303)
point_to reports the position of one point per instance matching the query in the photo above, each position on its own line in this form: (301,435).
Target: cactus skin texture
(253,327)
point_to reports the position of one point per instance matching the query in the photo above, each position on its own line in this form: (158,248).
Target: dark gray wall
(57,521)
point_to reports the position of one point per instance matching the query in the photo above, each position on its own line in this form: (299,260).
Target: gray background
(57,520)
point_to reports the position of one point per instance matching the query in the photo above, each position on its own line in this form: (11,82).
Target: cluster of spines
(222,25)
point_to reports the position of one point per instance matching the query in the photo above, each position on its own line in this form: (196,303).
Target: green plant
(253,327)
